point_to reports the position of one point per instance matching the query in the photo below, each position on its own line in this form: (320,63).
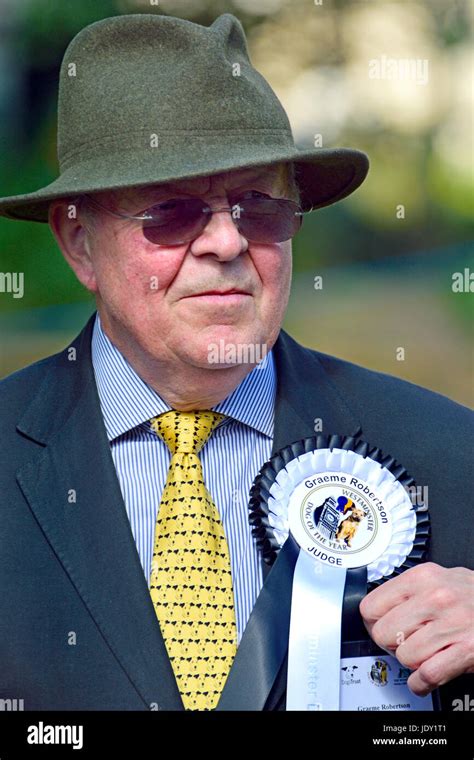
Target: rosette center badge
(339,519)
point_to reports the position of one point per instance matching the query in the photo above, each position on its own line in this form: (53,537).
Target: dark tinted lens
(175,221)
(267,220)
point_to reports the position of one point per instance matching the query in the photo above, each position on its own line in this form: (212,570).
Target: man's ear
(71,237)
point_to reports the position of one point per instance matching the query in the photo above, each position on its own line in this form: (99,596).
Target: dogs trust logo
(349,675)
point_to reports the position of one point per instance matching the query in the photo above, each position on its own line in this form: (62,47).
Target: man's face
(173,302)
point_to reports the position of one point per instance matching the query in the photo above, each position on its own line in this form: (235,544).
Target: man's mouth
(235,293)
(221,292)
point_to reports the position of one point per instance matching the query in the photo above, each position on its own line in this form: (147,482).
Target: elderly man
(131,578)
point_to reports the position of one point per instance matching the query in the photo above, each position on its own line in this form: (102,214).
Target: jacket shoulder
(16,389)
(371,389)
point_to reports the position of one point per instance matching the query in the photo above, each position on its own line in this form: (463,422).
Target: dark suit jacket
(71,571)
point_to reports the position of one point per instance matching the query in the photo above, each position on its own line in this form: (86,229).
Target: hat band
(165,142)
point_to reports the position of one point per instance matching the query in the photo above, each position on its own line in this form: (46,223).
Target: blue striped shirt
(231,458)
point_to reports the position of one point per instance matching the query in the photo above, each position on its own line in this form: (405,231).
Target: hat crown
(146,99)
(129,78)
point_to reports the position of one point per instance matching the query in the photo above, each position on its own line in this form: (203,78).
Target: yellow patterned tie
(191,581)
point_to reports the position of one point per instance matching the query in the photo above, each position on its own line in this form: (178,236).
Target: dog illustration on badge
(327,518)
(349,524)
(379,672)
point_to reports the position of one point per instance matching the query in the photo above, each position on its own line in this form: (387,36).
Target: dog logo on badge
(378,672)
(349,675)
(338,519)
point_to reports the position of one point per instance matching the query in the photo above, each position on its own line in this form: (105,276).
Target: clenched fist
(425,616)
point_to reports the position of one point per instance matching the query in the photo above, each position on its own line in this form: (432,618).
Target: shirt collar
(127,401)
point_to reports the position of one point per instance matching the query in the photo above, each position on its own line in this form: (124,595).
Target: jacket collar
(92,538)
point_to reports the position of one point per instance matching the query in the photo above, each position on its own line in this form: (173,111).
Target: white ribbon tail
(314,650)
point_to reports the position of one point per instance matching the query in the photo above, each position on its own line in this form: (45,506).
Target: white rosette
(348,507)
(323,462)
(311,495)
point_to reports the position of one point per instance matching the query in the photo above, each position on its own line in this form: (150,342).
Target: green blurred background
(387,281)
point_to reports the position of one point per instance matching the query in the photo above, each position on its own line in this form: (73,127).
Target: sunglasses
(180,220)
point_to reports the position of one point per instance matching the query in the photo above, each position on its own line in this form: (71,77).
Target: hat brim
(324,176)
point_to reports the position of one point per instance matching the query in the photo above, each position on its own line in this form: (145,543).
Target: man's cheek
(154,272)
(279,277)
(273,268)
(281,260)
(135,281)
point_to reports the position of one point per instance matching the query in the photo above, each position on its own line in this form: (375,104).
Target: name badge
(378,684)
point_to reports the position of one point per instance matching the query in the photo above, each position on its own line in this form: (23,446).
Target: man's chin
(224,352)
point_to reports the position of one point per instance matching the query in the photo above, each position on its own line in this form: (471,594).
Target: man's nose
(220,236)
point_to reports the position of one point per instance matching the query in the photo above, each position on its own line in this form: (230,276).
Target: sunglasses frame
(206,209)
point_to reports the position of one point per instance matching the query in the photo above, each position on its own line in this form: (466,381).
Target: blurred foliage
(47,26)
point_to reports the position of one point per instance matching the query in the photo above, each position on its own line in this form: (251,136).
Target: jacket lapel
(72,488)
(305,394)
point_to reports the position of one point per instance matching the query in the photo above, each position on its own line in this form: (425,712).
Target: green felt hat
(145,99)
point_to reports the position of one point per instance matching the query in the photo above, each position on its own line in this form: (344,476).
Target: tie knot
(185,432)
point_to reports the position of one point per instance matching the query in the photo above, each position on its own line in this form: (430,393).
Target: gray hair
(87,213)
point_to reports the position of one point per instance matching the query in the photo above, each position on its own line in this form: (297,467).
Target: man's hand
(426,617)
